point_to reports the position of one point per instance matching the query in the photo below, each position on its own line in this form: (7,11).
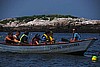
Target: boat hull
(74,47)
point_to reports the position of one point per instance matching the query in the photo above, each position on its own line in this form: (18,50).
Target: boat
(78,47)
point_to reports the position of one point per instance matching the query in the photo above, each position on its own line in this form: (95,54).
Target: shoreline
(59,29)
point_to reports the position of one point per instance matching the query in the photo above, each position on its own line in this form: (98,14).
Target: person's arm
(37,42)
(7,38)
(16,41)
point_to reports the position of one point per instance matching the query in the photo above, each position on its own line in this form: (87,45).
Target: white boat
(59,47)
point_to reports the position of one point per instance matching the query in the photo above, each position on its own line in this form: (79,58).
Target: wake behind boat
(78,47)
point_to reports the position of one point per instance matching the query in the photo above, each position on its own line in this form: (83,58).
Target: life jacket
(47,37)
(51,38)
(22,37)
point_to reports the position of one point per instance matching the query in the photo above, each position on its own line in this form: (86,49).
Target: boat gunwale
(42,44)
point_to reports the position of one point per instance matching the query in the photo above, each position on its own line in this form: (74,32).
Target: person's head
(17,33)
(37,36)
(26,32)
(51,33)
(74,30)
(10,34)
(47,33)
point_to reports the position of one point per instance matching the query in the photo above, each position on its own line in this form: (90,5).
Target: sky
(89,9)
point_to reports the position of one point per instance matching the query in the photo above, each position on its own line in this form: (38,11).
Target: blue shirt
(77,36)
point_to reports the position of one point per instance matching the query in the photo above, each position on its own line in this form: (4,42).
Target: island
(56,23)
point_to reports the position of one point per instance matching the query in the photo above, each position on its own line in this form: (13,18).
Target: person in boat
(17,35)
(52,40)
(24,38)
(47,37)
(9,39)
(76,36)
(35,39)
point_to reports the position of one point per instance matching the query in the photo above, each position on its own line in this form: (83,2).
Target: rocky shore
(60,29)
(56,23)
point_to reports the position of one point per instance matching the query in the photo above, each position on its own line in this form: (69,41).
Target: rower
(24,38)
(35,39)
(76,36)
(47,37)
(10,39)
(17,35)
(52,40)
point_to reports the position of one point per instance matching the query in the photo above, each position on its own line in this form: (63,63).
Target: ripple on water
(52,60)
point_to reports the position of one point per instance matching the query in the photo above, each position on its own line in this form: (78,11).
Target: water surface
(52,60)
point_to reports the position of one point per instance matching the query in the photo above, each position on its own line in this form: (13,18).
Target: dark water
(52,60)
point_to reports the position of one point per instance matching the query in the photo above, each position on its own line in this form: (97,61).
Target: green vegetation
(30,18)
(44,17)
(6,21)
(58,27)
